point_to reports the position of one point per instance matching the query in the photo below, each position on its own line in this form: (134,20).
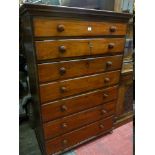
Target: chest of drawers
(74,60)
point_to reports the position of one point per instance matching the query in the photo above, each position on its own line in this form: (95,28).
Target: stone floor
(118,143)
(28,144)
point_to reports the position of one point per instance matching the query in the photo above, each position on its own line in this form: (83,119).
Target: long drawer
(78,136)
(78,103)
(72,122)
(45,27)
(74,68)
(50,49)
(55,90)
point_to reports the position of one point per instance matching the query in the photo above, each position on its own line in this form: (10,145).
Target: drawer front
(72,122)
(78,136)
(55,90)
(76,104)
(46,27)
(69,69)
(78,47)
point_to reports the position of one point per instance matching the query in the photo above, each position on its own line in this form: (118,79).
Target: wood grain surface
(50,49)
(77,120)
(49,27)
(61,89)
(77,136)
(65,107)
(69,69)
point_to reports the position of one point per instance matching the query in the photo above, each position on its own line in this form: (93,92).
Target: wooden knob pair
(61,28)
(63,48)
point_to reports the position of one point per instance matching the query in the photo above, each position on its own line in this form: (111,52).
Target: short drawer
(78,103)
(61,89)
(78,136)
(72,122)
(74,68)
(48,27)
(50,49)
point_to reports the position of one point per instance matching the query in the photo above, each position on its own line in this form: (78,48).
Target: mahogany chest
(74,60)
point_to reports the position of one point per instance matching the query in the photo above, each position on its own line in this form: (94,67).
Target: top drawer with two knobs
(49,27)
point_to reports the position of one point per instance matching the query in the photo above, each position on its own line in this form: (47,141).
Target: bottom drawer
(78,136)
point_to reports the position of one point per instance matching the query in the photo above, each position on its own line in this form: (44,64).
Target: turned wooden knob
(113,29)
(106,80)
(109,63)
(101,126)
(105,95)
(60,28)
(64,108)
(62,49)
(111,45)
(103,111)
(62,70)
(64,125)
(64,141)
(63,89)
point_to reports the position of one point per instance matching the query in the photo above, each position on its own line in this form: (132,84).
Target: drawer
(48,27)
(78,136)
(50,49)
(74,68)
(72,122)
(76,104)
(61,89)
